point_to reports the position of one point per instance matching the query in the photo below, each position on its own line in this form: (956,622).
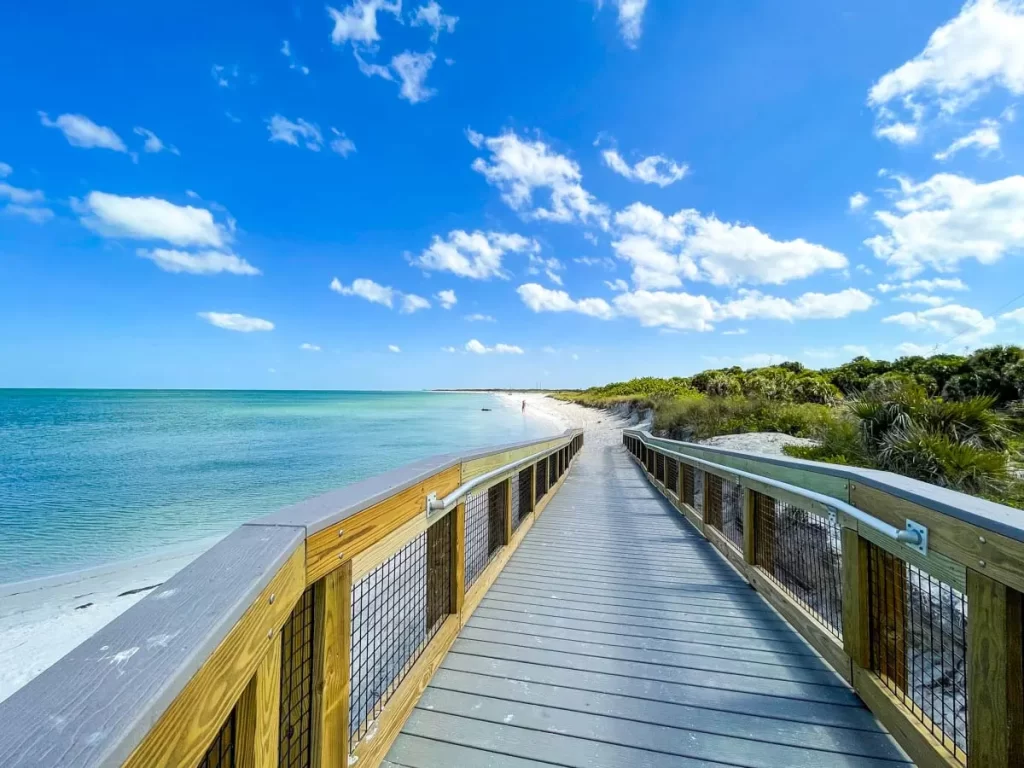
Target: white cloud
(222,75)
(432,16)
(232,118)
(592,261)
(231,321)
(153,143)
(477,348)
(549,267)
(286,51)
(447,298)
(199,263)
(412,303)
(372,70)
(150,218)
(735,332)
(938,284)
(479,318)
(5,170)
(309,347)
(617,285)
(1016,315)
(34,214)
(910,349)
(394,348)
(985,138)
(474,255)
(952,319)
(899,132)
(283,129)
(948,219)
(520,167)
(923,298)
(358,22)
(808,306)
(541,299)
(978,49)
(664,250)
(631,17)
(665,309)
(449,350)
(342,144)
(80,131)
(864,268)
(366,289)
(20,196)
(858,200)
(412,69)
(591,238)
(650,170)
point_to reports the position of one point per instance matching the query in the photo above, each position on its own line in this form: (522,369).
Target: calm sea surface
(92,476)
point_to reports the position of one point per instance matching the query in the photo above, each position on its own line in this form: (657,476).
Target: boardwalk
(616,636)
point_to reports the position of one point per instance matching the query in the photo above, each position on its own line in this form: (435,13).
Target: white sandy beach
(43,619)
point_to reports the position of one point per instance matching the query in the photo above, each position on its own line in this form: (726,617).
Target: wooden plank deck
(616,636)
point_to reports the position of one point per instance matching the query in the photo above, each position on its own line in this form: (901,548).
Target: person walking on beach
(524,406)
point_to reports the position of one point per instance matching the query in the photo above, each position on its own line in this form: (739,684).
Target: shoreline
(43,618)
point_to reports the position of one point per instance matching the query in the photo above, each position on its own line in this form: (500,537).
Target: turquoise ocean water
(93,476)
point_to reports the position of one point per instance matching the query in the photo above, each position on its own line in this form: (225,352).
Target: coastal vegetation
(955,421)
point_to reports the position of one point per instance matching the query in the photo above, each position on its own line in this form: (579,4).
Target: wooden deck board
(617,636)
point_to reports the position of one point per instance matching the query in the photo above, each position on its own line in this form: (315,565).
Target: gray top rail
(96,704)
(982,513)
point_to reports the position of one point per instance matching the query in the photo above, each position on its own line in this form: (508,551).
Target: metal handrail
(435,505)
(915,535)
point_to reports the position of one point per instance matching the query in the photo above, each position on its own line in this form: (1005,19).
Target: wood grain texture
(856,607)
(994,676)
(258,714)
(369,753)
(95,705)
(326,549)
(967,544)
(749,526)
(332,668)
(479,466)
(508,508)
(189,725)
(458,567)
(922,747)
(374,555)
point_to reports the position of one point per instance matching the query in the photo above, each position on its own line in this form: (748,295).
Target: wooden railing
(929,635)
(302,639)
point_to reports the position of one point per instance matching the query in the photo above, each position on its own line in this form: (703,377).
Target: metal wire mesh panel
(516,494)
(659,467)
(713,502)
(672,475)
(439,569)
(541,473)
(689,486)
(732,512)
(802,554)
(918,637)
(389,631)
(485,529)
(523,482)
(552,469)
(221,753)
(297,685)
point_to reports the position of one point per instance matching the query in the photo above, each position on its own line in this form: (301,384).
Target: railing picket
(258,715)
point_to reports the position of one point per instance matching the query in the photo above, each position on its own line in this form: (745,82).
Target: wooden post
(332,637)
(458,569)
(533,487)
(888,589)
(995,682)
(856,599)
(508,508)
(749,527)
(259,713)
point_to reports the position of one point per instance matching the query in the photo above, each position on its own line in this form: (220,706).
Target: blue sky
(621,188)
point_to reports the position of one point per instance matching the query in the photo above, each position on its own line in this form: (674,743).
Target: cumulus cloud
(519,168)
(541,299)
(357,22)
(447,299)
(432,16)
(5,170)
(309,347)
(985,138)
(923,298)
(232,321)
(394,348)
(35,214)
(808,306)
(342,144)
(666,309)
(910,349)
(26,203)
(80,131)
(617,285)
(412,303)
(948,219)
(550,267)
(655,169)
(664,250)
(631,19)
(937,284)
(477,348)
(475,255)
(153,144)
(412,69)
(951,319)
(284,130)
(198,263)
(858,200)
(151,218)
(20,196)
(1016,316)
(385,295)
